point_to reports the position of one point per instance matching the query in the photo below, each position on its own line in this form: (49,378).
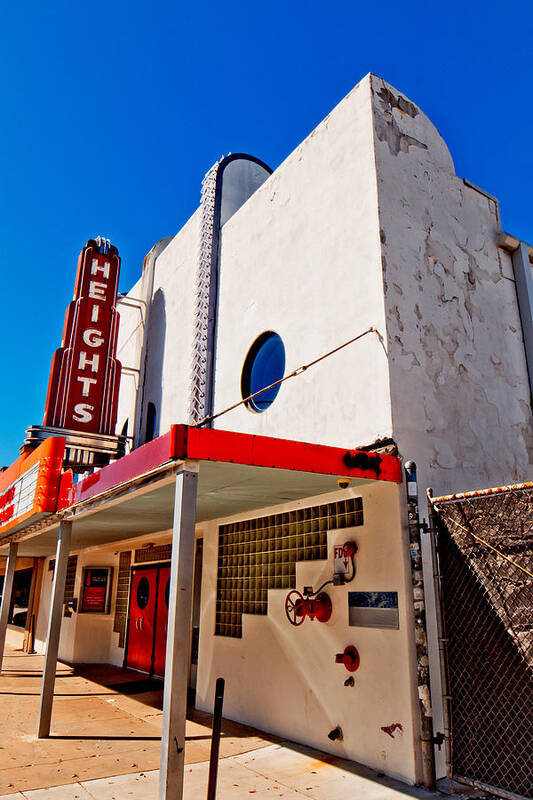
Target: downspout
(427,740)
(521,253)
(441,633)
(524,292)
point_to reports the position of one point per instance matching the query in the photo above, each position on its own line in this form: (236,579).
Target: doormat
(137,687)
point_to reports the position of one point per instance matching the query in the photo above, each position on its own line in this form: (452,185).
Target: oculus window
(264,364)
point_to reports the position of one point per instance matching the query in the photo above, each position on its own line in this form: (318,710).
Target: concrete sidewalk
(276,771)
(101,729)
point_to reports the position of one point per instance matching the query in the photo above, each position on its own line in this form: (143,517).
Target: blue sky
(113,112)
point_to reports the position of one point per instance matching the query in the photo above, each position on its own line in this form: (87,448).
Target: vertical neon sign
(85,374)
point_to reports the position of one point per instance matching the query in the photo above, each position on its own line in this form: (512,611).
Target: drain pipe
(441,632)
(421,639)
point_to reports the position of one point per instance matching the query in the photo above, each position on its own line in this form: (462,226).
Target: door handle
(141,623)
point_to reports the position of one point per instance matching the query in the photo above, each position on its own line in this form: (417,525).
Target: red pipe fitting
(297,607)
(350,549)
(350,658)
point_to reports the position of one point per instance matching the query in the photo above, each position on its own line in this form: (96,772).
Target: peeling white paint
(364,224)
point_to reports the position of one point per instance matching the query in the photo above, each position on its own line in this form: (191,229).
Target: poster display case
(96,590)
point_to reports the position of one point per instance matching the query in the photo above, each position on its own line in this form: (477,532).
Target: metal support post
(6,596)
(178,639)
(54,629)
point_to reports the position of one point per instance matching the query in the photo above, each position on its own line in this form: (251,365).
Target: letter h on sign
(85,374)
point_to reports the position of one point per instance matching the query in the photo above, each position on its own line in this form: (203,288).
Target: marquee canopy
(134,496)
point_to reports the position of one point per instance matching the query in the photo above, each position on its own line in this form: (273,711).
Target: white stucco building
(365,225)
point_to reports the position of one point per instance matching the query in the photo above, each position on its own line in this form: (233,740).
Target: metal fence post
(215,739)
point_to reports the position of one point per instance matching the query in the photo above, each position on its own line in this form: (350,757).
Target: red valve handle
(295,608)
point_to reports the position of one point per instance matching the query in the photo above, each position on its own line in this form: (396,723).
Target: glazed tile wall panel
(123,590)
(255,555)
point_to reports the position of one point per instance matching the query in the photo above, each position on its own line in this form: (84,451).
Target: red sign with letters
(85,375)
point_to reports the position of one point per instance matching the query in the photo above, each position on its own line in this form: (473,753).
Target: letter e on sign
(342,562)
(97,290)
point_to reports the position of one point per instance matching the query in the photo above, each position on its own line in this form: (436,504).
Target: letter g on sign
(93,337)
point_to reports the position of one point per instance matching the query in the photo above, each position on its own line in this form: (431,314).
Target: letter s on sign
(92,337)
(82,412)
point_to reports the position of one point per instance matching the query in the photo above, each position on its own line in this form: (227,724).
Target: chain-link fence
(485,549)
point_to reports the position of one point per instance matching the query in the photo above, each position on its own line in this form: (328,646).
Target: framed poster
(96,590)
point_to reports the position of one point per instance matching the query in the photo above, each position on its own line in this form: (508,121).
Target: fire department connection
(318,605)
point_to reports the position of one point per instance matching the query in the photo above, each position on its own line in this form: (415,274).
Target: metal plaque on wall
(373,609)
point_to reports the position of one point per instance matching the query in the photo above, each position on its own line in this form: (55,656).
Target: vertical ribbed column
(205,301)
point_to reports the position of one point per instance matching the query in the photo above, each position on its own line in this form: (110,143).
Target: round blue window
(264,364)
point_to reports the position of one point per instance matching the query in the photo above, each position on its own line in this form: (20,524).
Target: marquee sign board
(84,380)
(29,488)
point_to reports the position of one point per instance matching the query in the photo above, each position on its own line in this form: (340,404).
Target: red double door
(148,618)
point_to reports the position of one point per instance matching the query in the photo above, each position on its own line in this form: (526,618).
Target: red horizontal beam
(207,444)
(138,462)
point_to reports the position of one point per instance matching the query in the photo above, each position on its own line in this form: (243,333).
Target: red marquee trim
(208,444)
(205,444)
